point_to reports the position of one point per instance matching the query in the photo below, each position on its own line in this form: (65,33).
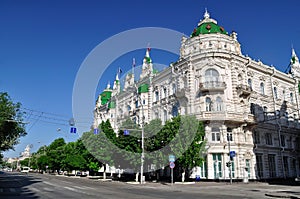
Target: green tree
(55,154)
(25,162)
(101,145)
(74,156)
(189,143)
(11,123)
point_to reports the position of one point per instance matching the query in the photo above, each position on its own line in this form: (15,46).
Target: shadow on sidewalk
(15,185)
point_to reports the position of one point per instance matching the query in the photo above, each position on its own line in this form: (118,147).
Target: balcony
(244,90)
(212,86)
(239,118)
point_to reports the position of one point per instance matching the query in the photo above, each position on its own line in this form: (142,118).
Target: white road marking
(83,187)
(49,183)
(75,190)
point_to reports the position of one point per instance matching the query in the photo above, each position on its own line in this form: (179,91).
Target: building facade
(245,104)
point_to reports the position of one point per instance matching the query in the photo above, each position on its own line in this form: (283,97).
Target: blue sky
(43,44)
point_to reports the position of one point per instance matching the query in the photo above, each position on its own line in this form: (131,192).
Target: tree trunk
(137,176)
(104,172)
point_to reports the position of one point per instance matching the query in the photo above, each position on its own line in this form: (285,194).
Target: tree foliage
(11,123)
(182,136)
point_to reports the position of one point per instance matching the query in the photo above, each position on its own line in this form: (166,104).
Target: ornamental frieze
(262,78)
(250,73)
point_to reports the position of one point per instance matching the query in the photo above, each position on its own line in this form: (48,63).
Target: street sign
(172,165)
(126,132)
(96,131)
(73,130)
(232,154)
(171,158)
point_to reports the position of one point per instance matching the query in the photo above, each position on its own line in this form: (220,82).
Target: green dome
(105,96)
(208,28)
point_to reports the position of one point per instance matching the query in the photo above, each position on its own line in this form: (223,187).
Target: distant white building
(254,104)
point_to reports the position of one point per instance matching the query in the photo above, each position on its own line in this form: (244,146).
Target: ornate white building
(252,104)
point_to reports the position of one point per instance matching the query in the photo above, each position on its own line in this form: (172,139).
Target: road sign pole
(171,176)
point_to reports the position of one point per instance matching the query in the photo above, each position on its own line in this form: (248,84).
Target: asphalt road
(48,186)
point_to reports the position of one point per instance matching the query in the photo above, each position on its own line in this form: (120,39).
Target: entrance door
(217,158)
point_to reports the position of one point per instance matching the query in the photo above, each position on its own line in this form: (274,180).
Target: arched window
(262,88)
(275,93)
(291,97)
(219,104)
(283,94)
(165,116)
(165,92)
(211,75)
(240,78)
(173,88)
(250,83)
(208,104)
(156,96)
(265,109)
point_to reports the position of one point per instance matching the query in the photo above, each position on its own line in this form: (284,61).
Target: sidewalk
(238,189)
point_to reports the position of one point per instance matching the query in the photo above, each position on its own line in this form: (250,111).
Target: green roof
(143,88)
(105,96)
(208,28)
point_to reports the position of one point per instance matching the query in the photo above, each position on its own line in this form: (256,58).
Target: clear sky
(44,42)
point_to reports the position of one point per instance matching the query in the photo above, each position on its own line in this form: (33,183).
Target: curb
(280,195)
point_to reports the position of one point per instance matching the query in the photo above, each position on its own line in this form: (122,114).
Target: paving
(12,184)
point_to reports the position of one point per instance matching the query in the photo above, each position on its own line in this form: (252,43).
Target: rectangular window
(272,166)
(203,170)
(256,137)
(136,104)
(229,137)
(286,165)
(269,139)
(232,169)
(259,166)
(215,134)
(282,139)
(252,109)
(248,167)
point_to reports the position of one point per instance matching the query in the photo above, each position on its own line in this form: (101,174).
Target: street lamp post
(230,174)
(143,152)
(142,155)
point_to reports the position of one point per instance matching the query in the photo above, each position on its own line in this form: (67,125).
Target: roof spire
(147,55)
(206,14)
(294,57)
(108,85)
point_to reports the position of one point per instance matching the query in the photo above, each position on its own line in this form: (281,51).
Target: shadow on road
(15,185)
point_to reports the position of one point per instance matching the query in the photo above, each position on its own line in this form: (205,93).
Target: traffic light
(228,164)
